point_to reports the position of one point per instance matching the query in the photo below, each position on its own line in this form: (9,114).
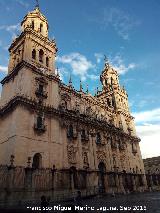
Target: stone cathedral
(86,141)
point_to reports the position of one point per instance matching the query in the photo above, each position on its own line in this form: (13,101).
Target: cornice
(29,31)
(30,66)
(85,97)
(73,115)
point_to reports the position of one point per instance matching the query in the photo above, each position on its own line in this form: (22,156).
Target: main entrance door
(101,183)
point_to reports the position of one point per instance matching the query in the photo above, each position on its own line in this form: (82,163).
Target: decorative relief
(92,132)
(123,160)
(89,110)
(77,106)
(71,150)
(101,156)
(85,159)
(114,160)
(65,97)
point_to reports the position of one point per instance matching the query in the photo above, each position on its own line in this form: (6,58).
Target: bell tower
(30,85)
(30,53)
(33,45)
(115,98)
(109,78)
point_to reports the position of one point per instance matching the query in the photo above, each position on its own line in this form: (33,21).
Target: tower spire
(87,90)
(70,81)
(81,88)
(58,76)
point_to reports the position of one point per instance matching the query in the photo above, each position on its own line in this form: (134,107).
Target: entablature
(29,33)
(91,122)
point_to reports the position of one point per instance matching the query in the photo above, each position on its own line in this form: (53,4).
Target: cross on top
(106,61)
(37,3)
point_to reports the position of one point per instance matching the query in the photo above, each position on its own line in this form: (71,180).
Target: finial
(97,90)
(58,73)
(87,89)
(106,61)
(70,81)
(81,88)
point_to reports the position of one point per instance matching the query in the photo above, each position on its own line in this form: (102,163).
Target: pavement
(148,202)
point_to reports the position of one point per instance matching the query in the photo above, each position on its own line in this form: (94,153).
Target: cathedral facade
(44,123)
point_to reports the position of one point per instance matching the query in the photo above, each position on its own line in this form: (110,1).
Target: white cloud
(147,116)
(118,64)
(148,128)
(121,22)
(79,64)
(23,3)
(3,69)
(62,71)
(150,139)
(13,29)
(6,47)
(93,77)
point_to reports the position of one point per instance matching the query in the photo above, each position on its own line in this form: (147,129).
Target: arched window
(41,89)
(41,54)
(32,25)
(41,27)
(98,138)
(34,54)
(47,61)
(37,161)
(70,131)
(39,122)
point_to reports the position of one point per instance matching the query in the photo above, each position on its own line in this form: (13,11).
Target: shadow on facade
(18,184)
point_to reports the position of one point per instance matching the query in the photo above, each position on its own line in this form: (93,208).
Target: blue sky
(127,32)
